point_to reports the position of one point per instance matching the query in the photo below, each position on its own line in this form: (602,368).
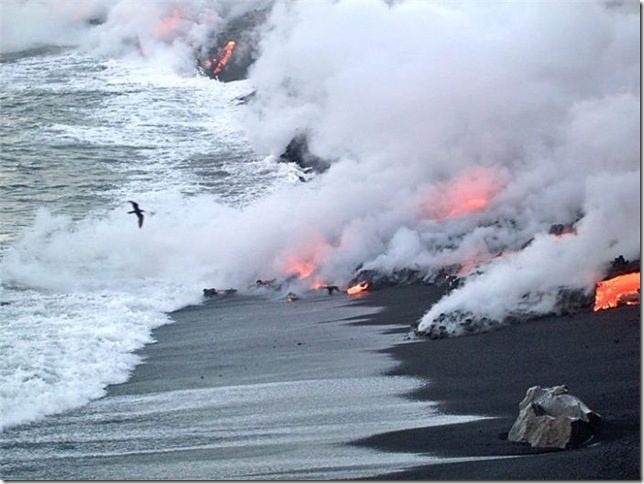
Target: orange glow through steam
(301,268)
(469,193)
(170,24)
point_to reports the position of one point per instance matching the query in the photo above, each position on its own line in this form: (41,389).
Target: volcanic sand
(597,355)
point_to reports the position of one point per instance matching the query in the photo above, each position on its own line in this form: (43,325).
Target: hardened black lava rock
(401,277)
(620,266)
(244,31)
(298,152)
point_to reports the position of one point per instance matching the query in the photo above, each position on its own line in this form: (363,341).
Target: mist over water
(457,132)
(82,285)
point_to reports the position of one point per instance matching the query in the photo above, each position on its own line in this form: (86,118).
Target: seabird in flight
(138,212)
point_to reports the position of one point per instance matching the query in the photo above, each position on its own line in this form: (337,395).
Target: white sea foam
(85,291)
(81,300)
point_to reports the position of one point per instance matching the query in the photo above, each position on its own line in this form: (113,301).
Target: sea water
(80,283)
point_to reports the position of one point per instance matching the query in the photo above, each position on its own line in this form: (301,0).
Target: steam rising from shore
(167,33)
(458,132)
(526,113)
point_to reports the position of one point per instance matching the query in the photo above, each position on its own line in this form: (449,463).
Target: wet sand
(239,388)
(598,355)
(333,388)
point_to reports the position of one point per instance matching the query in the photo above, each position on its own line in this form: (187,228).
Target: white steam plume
(517,116)
(457,131)
(168,33)
(33,23)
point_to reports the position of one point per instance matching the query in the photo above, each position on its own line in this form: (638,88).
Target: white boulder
(551,417)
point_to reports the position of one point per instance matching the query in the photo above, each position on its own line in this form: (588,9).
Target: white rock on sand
(551,417)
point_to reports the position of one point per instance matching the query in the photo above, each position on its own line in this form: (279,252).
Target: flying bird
(138,212)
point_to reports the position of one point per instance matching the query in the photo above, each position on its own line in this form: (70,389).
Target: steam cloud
(527,113)
(32,24)
(458,132)
(166,32)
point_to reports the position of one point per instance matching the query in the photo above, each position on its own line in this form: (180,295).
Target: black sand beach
(597,355)
(240,388)
(332,388)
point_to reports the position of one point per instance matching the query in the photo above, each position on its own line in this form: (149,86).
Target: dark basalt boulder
(620,266)
(298,152)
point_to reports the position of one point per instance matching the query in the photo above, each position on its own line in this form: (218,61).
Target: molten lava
(619,290)
(358,288)
(228,52)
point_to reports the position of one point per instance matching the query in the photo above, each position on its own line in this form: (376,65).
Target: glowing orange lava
(358,288)
(228,52)
(619,290)
(469,193)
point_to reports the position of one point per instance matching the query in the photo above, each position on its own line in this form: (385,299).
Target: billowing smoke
(460,132)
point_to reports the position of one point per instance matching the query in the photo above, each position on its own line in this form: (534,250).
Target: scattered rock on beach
(552,418)
(212,292)
(399,277)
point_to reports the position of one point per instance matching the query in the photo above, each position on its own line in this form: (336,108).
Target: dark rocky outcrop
(244,30)
(400,277)
(298,152)
(620,266)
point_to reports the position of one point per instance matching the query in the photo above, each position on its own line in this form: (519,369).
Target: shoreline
(598,355)
(243,388)
(240,388)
